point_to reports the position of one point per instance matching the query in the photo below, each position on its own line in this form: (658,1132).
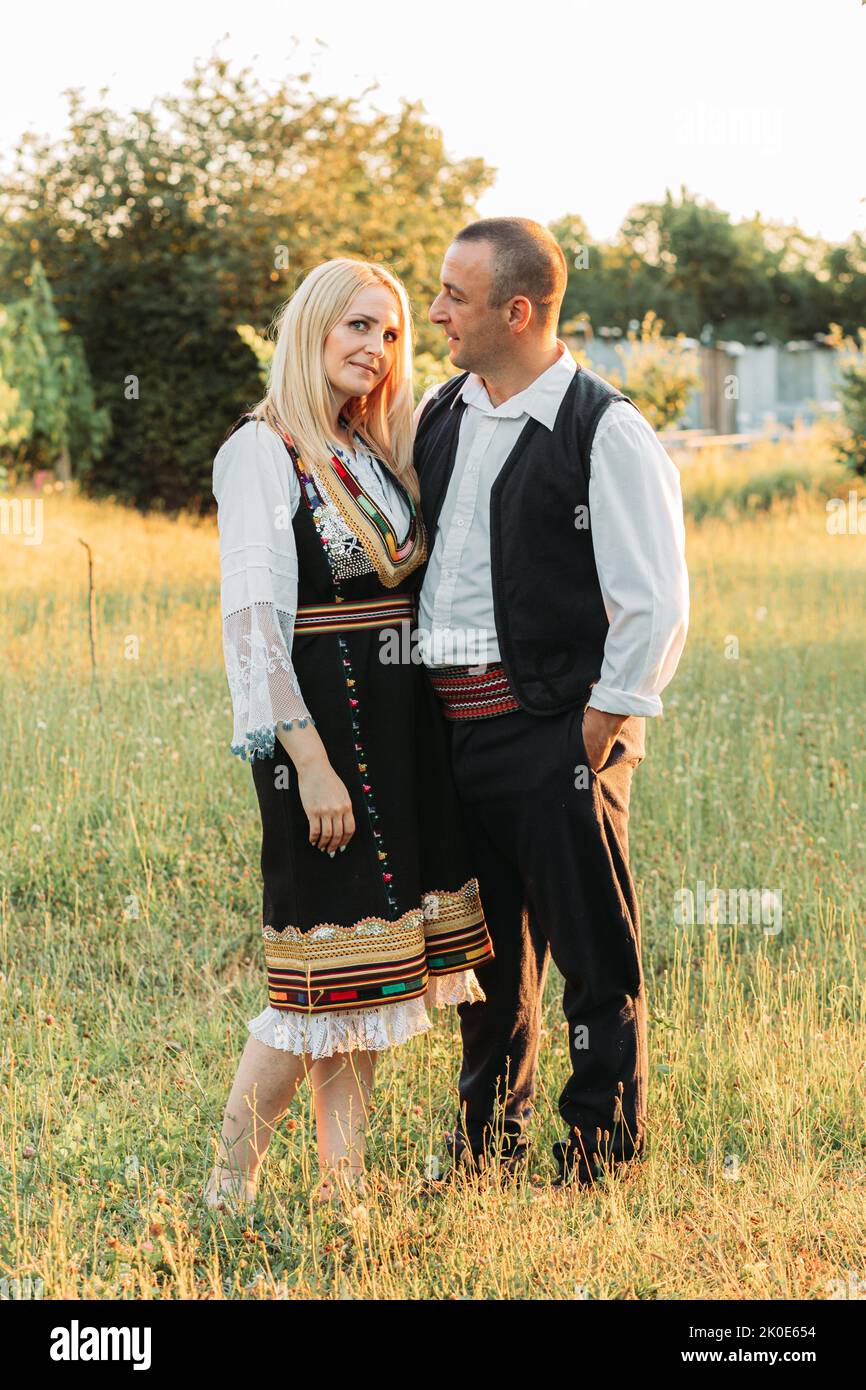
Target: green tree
(51,420)
(852,396)
(16,421)
(164,230)
(687,261)
(589,291)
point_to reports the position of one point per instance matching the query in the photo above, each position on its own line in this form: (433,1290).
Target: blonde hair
(298,398)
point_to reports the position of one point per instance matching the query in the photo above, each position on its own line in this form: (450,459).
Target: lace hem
(363,1030)
(462,987)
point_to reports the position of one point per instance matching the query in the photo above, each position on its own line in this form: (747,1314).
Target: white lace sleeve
(253,484)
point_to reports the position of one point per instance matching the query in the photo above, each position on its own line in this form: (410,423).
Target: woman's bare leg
(342,1086)
(264,1086)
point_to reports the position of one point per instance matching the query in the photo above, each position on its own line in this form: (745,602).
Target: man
(553,612)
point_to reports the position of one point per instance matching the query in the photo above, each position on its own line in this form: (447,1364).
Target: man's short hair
(527,260)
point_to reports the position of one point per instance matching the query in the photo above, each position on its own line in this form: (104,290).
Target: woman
(371,913)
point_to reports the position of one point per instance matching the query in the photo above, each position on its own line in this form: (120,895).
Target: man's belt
(467,692)
(313,618)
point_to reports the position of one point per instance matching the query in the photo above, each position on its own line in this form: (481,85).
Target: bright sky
(583,106)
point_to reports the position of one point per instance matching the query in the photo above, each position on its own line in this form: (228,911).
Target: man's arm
(638,537)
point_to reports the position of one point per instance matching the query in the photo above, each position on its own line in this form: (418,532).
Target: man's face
(478,336)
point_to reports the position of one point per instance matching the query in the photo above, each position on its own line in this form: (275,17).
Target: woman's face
(360,349)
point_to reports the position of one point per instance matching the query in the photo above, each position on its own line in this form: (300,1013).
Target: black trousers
(549,840)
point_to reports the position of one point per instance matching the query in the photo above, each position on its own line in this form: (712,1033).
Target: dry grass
(129,896)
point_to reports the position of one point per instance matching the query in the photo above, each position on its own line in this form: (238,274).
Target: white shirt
(258,492)
(637,532)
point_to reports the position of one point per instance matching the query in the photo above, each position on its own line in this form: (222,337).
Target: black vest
(549,611)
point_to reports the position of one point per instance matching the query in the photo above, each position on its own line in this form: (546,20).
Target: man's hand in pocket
(599,735)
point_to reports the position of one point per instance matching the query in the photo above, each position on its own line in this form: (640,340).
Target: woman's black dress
(396,916)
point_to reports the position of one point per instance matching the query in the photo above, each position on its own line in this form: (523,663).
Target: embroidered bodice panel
(258,492)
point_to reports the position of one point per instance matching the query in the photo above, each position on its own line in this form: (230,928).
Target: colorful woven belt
(467,693)
(313,618)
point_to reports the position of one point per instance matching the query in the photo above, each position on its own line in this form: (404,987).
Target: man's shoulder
(443,391)
(597,402)
(592,382)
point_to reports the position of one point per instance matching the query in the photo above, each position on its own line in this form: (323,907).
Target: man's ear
(519,313)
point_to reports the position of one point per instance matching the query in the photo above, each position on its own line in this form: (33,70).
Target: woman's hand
(328,806)
(323,794)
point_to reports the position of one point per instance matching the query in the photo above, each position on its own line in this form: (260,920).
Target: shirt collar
(541,398)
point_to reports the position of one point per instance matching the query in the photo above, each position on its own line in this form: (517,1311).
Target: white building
(745,389)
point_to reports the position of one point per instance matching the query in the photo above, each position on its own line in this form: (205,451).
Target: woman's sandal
(234,1191)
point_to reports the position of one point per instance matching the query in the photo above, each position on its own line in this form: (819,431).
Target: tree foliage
(852,397)
(687,261)
(163,230)
(659,374)
(48,413)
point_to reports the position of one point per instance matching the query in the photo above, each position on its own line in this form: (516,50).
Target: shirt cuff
(262,742)
(611,701)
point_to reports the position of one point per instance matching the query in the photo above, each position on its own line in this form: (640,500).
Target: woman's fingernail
(331,853)
(342,847)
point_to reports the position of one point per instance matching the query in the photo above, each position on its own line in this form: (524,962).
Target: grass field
(129,901)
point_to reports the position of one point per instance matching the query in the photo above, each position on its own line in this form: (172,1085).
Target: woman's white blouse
(257,493)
